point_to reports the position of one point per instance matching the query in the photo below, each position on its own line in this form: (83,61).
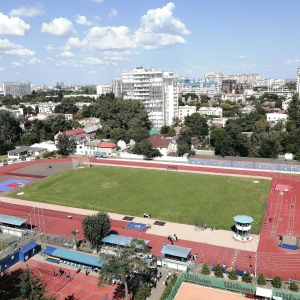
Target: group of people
(172,239)
(61,272)
(168,276)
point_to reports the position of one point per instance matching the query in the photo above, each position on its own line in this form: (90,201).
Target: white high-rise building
(104,89)
(158,91)
(298,81)
(17,88)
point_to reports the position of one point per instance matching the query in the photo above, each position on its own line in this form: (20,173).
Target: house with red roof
(108,147)
(158,142)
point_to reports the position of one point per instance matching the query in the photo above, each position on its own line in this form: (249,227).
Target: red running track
(269,259)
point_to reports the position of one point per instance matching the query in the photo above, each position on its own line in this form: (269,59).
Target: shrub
(218,271)
(277,282)
(261,280)
(205,270)
(168,289)
(294,287)
(143,292)
(247,277)
(232,275)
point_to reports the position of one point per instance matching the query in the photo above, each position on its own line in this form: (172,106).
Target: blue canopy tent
(176,252)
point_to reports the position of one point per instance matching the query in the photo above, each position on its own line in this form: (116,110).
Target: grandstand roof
(73,256)
(12,220)
(176,251)
(120,240)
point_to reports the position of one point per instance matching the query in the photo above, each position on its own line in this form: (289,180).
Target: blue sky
(94,41)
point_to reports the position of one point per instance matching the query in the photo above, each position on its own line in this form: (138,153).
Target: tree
(294,287)
(247,277)
(124,262)
(67,106)
(65,144)
(96,227)
(31,287)
(277,282)
(232,275)
(184,142)
(145,148)
(197,124)
(261,280)
(29,138)
(10,129)
(144,292)
(205,270)
(222,142)
(218,271)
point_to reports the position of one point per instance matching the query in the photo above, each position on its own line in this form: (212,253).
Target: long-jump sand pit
(188,291)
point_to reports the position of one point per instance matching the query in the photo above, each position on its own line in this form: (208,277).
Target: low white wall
(162,158)
(176,265)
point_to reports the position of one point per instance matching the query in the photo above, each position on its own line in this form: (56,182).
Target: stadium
(279,224)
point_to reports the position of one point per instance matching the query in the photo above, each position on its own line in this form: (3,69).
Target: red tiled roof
(160,142)
(107,145)
(75,131)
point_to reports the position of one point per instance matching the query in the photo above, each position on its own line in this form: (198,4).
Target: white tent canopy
(264,292)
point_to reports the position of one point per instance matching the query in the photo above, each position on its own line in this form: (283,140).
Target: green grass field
(167,195)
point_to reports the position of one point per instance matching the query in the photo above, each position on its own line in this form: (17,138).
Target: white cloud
(243,56)
(59,27)
(6,44)
(103,38)
(96,1)
(19,52)
(82,20)
(160,28)
(161,20)
(13,25)
(69,63)
(113,13)
(67,54)
(93,61)
(34,61)
(292,61)
(2,69)
(16,64)
(50,48)
(28,12)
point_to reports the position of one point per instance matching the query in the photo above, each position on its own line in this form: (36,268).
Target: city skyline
(94,41)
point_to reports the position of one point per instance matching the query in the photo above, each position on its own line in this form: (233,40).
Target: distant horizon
(94,41)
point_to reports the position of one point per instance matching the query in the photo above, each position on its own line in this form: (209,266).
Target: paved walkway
(184,232)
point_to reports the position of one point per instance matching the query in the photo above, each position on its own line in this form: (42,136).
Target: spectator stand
(72,258)
(113,241)
(13,225)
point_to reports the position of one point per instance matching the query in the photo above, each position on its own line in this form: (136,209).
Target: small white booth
(264,293)
(242,228)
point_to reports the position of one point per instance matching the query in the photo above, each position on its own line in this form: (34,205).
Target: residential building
(25,151)
(234,98)
(17,89)
(184,111)
(228,86)
(104,89)
(276,117)
(107,148)
(215,76)
(186,86)
(160,143)
(211,111)
(158,91)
